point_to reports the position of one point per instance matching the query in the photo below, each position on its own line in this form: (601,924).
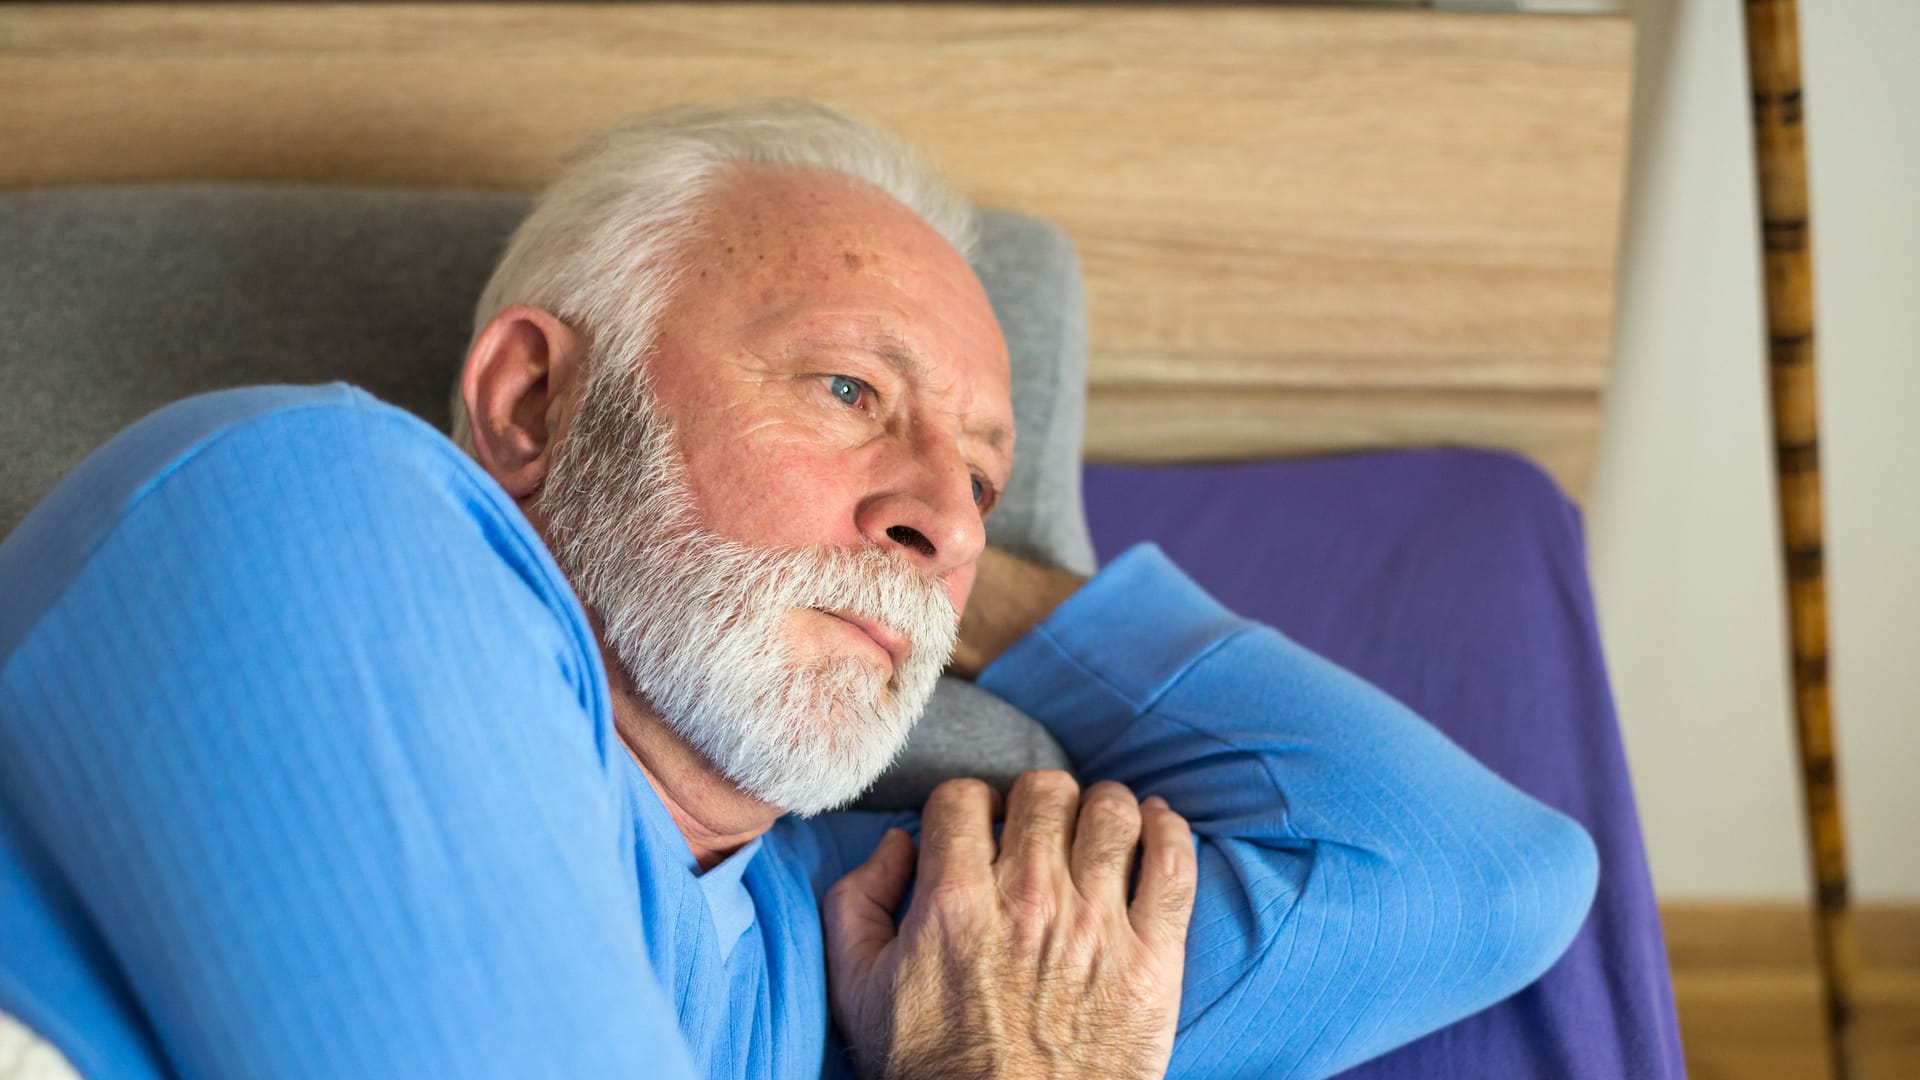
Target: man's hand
(1021,961)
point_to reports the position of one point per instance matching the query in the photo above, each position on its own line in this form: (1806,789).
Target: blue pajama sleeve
(306,767)
(1363,881)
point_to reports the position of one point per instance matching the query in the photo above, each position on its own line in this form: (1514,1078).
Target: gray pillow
(119,300)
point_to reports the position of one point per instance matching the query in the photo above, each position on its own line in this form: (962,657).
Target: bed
(1415,250)
(1455,580)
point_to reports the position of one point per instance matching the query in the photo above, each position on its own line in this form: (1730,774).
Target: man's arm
(309,750)
(1362,880)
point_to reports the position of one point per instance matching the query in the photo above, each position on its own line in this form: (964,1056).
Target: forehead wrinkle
(884,345)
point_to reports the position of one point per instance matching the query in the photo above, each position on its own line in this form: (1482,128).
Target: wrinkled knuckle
(1165,813)
(1030,894)
(1111,813)
(1177,897)
(1182,860)
(1046,819)
(1050,783)
(1175,863)
(1174,833)
(1032,867)
(1111,854)
(1186,863)
(959,792)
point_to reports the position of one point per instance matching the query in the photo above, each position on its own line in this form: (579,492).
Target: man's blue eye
(847,390)
(979,491)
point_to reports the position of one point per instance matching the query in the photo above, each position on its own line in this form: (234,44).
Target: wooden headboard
(1303,229)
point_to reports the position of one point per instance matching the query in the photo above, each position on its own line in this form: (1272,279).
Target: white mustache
(767,582)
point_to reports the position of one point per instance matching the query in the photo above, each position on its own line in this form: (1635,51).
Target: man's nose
(923,508)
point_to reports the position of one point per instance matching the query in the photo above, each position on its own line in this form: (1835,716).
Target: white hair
(600,248)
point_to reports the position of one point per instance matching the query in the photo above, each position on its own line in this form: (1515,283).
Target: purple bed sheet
(1456,581)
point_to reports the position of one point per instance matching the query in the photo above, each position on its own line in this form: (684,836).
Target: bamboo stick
(1773,62)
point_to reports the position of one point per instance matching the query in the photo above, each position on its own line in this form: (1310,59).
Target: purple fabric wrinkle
(1456,581)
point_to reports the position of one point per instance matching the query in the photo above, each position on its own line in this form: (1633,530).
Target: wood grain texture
(1746,983)
(1370,227)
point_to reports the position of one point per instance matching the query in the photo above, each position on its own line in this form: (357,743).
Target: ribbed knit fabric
(1362,880)
(307,769)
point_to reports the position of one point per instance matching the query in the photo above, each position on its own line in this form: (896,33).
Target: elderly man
(332,750)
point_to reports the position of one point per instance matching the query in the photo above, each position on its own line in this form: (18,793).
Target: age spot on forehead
(851,258)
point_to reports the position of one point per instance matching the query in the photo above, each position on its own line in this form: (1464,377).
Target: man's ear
(519,382)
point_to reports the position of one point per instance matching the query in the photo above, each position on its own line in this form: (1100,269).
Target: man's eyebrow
(903,360)
(998,436)
(897,355)
(911,366)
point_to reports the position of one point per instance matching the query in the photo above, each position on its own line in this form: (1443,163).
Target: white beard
(699,621)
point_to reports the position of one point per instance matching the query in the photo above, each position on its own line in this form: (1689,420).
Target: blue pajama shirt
(307,769)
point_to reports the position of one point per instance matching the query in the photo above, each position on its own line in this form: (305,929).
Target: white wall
(1682,527)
